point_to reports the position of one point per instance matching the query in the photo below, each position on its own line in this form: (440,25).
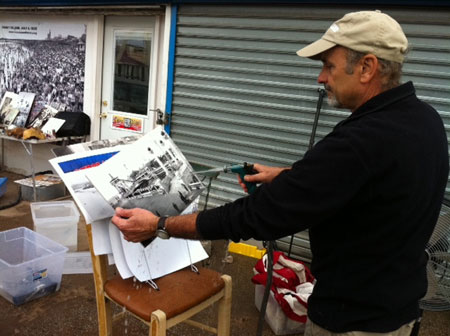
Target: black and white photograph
(36,109)
(93,145)
(105,143)
(24,103)
(8,100)
(167,176)
(47,59)
(41,118)
(151,174)
(10,115)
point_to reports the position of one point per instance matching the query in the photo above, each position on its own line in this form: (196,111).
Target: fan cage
(438,267)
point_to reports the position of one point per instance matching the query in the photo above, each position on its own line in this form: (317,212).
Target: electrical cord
(19,194)
(269,267)
(262,312)
(15,202)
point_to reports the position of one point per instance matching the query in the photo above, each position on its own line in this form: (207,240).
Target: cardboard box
(44,193)
(48,187)
(30,265)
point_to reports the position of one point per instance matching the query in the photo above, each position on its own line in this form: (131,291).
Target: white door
(130,64)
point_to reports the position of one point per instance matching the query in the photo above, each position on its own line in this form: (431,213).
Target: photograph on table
(8,101)
(24,103)
(36,109)
(46,113)
(10,115)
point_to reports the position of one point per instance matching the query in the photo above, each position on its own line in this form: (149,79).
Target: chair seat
(179,291)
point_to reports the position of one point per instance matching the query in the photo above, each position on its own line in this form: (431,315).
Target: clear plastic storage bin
(77,263)
(58,221)
(30,265)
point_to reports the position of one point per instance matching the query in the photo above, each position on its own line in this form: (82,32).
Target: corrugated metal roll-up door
(242,94)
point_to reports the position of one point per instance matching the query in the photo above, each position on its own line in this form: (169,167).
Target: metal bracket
(162,118)
(152,284)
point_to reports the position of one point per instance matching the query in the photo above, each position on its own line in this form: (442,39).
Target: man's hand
(135,224)
(265,175)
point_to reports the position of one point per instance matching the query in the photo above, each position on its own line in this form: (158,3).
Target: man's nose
(322,79)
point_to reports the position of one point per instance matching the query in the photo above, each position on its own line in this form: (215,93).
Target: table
(28,145)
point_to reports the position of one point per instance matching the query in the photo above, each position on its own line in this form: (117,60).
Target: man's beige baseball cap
(370,32)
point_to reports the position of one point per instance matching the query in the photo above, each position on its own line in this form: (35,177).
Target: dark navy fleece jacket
(370,194)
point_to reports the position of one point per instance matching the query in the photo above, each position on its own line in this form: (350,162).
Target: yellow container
(246,249)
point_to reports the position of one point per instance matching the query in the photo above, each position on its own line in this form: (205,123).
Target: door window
(131,71)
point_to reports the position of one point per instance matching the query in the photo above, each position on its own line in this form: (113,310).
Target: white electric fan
(437,297)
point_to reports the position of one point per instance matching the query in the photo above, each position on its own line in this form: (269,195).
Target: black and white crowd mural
(46,59)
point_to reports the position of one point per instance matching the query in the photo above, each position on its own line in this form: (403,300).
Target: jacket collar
(384,99)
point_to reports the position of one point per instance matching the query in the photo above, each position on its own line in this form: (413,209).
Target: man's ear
(369,67)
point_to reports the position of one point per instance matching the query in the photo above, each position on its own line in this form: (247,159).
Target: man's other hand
(136,224)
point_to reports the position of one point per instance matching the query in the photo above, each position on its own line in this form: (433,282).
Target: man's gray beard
(331,98)
(333,102)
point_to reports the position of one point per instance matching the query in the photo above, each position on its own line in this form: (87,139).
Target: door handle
(103,115)
(162,118)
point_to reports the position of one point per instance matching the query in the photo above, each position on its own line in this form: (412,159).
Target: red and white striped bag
(292,284)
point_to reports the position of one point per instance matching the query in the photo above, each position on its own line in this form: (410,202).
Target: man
(369,192)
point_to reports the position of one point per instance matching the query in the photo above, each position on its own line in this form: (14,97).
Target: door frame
(158,70)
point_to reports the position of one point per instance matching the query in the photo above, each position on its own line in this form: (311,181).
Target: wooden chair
(182,294)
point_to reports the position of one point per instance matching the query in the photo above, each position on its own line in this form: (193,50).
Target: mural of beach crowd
(41,76)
